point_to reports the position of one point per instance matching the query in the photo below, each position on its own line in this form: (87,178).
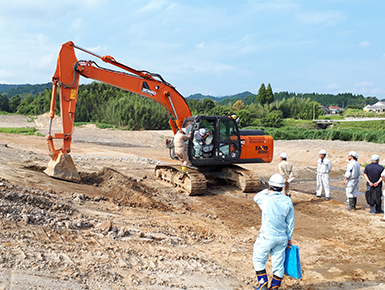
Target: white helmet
(283,155)
(277,180)
(184,130)
(375,157)
(202,131)
(322,152)
(353,153)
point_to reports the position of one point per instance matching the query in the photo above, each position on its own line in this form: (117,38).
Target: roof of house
(333,107)
(378,105)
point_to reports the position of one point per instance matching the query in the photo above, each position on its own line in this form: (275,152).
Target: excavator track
(193,183)
(244,179)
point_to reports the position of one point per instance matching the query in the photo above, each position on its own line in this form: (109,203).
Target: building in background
(335,110)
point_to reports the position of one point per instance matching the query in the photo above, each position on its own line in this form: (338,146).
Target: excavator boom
(66,77)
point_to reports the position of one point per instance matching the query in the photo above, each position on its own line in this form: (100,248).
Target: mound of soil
(123,190)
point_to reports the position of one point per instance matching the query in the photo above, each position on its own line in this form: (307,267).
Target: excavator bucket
(63,168)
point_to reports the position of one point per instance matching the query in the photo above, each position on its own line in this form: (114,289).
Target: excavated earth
(122,229)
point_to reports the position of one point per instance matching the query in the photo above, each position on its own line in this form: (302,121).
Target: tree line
(101,103)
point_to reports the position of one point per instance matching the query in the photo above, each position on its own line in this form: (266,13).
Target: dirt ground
(122,229)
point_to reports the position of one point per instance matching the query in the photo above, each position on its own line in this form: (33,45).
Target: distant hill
(341,100)
(23,89)
(232,98)
(201,97)
(5,87)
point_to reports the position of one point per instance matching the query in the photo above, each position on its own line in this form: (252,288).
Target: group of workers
(374,174)
(277,207)
(278,212)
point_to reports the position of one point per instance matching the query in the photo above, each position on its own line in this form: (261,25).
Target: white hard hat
(277,180)
(353,153)
(202,131)
(375,157)
(184,130)
(283,155)
(322,152)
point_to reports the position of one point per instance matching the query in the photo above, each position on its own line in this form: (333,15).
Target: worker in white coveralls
(179,145)
(199,136)
(275,233)
(286,170)
(323,169)
(352,176)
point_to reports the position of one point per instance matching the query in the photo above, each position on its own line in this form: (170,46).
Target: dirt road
(122,229)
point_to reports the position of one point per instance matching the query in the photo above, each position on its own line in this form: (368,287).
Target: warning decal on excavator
(73,94)
(146,89)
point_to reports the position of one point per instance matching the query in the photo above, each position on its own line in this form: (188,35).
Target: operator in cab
(199,137)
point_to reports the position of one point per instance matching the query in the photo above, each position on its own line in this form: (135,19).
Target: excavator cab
(219,144)
(223,143)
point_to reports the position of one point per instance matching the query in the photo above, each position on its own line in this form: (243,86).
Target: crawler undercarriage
(195,183)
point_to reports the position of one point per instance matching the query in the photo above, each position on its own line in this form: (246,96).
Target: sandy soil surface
(122,229)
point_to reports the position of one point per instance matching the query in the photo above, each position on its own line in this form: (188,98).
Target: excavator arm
(66,78)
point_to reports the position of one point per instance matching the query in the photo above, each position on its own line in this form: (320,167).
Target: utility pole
(313,111)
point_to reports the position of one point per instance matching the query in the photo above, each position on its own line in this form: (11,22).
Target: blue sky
(215,47)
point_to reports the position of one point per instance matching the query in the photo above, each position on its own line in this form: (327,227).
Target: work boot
(327,198)
(275,283)
(378,208)
(350,204)
(184,170)
(262,280)
(372,209)
(354,203)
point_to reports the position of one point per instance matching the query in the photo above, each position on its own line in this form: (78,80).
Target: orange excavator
(215,157)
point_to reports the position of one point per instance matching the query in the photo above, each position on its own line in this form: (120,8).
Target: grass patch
(368,125)
(290,122)
(23,131)
(355,134)
(357,113)
(336,117)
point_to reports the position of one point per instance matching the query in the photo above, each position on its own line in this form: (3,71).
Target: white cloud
(250,48)
(154,5)
(333,86)
(285,5)
(5,75)
(205,67)
(97,48)
(326,17)
(200,45)
(77,23)
(364,44)
(377,91)
(363,84)
(46,61)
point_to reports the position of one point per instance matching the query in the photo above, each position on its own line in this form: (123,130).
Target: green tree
(221,111)
(239,105)
(14,103)
(4,103)
(244,118)
(273,119)
(261,97)
(269,94)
